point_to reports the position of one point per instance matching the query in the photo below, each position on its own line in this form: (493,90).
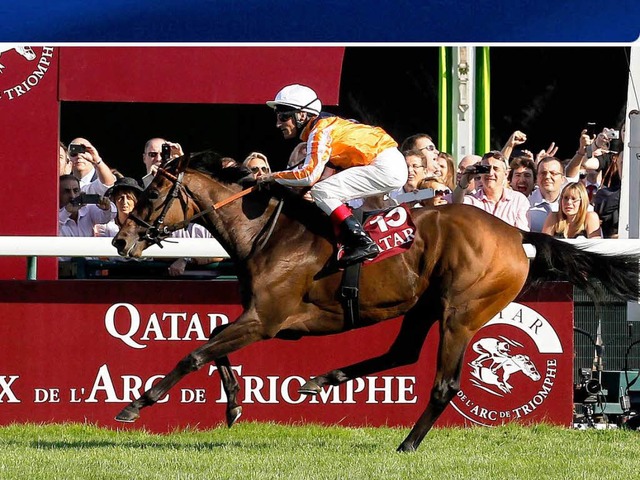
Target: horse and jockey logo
(495,364)
(26,51)
(22,68)
(510,367)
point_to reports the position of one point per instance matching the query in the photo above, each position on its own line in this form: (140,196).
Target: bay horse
(463,268)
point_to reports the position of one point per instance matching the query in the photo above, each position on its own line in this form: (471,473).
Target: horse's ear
(183,162)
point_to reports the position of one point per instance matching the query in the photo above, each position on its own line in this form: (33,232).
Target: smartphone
(591,128)
(76,148)
(166,152)
(481,168)
(86,199)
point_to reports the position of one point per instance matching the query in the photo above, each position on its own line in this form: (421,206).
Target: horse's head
(160,209)
(527,366)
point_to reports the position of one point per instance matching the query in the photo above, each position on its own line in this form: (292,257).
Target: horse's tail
(595,273)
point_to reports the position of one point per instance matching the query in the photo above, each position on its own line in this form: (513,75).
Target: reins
(156,233)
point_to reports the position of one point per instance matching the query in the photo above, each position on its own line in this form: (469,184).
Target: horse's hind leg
(404,351)
(453,343)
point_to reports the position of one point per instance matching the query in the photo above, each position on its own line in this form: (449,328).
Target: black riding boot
(357,244)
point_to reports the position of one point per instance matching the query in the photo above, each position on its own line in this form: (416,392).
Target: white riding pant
(387,172)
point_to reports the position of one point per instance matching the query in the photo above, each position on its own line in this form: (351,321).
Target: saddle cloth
(392,229)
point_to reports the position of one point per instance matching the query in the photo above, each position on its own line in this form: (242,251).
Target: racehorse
(463,268)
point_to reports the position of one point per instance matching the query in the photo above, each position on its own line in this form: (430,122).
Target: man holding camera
(155,151)
(80,211)
(504,203)
(94,176)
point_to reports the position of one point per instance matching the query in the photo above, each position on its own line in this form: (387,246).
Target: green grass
(269,451)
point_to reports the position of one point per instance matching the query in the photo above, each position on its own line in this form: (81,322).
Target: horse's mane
(210,162)
(308,214)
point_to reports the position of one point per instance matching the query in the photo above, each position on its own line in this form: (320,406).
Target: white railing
(101,247)
(26,246)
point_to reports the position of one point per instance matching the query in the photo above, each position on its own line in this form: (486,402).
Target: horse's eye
(153,195)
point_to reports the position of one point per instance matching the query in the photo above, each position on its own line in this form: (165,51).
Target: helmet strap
(300,121)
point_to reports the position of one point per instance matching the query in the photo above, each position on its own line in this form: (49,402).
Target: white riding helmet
(298,97)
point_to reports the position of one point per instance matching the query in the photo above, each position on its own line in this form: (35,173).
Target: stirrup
(358,255)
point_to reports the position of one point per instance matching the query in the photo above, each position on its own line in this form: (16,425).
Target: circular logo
(22,68)
(508,373)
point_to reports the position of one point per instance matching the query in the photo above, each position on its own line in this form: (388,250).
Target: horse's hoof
(406,447)
(310,388)
(233,415)
(128,415)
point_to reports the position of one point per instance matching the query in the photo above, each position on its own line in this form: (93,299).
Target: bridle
(158,232)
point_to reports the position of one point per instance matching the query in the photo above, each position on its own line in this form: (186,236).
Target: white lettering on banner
(34,78)
(275,389)
(155,328)
(5,389)
(50,395)
(481,414)
(131,385)
(272,389)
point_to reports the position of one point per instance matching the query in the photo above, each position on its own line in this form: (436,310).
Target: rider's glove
(263,182)
(247,181)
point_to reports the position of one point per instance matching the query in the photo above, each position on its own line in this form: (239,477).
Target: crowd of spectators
(564,197)
(95,200)
(568,197)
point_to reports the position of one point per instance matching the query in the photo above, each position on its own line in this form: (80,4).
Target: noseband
(158,232)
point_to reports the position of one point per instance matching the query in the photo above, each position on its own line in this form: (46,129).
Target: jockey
(366,158)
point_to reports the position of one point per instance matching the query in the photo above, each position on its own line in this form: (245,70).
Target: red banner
(29,112)
(242,75)
(81,350)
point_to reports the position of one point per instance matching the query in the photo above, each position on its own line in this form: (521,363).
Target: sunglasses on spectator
(441,193)
(431,148)
(493,154)
(259,169)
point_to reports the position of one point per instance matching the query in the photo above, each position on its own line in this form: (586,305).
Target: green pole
(444,102)
(483,101)
(32,268)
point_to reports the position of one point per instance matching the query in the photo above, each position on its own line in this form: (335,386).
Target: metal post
(463,101)
(32,268)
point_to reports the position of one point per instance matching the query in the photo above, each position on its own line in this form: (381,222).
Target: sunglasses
(259,169)
(284,116)
(441,193)
(493,154)
(431,148)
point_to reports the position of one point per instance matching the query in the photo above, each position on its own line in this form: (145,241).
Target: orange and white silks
(342,142)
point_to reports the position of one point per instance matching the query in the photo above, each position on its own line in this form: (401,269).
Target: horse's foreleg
(453,344)
(235,336)
(405,350)
(231,388)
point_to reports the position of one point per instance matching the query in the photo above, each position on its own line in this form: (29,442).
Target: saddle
(393,231)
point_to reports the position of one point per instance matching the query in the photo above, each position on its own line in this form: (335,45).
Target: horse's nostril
(119,244)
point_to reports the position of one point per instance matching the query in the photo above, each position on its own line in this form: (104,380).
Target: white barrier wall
(23,246)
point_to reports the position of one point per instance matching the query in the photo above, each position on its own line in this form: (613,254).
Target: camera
(611,134)
(481,169)
(76,148)
(86,199)
(166,152)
